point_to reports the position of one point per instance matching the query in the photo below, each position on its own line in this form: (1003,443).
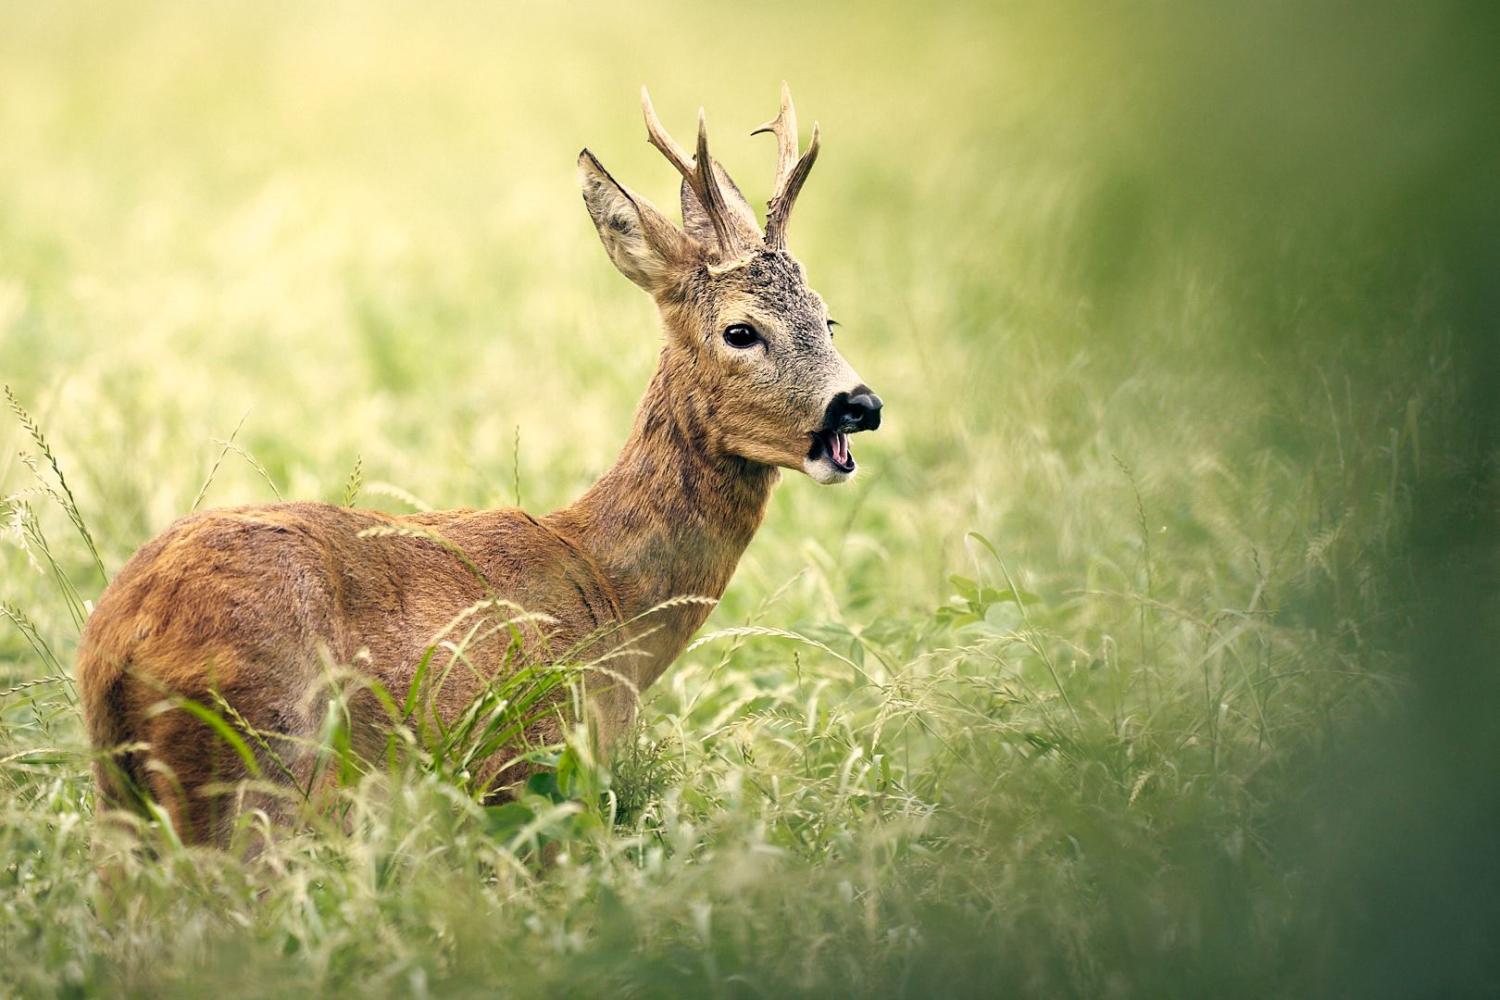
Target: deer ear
(645,246)
(697,222)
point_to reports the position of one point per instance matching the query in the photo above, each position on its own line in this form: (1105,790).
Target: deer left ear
(644,245)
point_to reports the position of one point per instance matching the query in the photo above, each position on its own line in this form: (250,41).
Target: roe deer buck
(244,607)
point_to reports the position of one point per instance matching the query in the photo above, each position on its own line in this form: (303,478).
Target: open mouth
(833,445)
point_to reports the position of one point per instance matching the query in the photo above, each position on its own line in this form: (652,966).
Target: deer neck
(672,517)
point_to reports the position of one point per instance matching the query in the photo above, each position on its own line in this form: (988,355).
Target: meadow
(1070,692)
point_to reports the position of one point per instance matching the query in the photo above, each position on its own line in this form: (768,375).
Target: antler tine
(658,137)
(784,128)
(786,196)
(791,170)
(697,170)
(708,190)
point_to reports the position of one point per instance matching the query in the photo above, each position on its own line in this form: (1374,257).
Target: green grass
(1040,703)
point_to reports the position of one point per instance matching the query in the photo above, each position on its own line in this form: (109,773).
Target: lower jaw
(824,471)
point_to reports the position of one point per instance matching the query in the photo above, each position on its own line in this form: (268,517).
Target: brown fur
(251,604)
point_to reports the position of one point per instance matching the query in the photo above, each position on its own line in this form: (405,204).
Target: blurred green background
(1184,318)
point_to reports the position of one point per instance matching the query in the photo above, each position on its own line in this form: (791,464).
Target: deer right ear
(645,246)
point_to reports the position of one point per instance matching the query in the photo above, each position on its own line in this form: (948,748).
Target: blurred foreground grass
(1173,312)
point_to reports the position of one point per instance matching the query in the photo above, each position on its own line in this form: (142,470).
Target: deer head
(749,351)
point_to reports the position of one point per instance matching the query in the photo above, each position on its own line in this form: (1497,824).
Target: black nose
(858,411)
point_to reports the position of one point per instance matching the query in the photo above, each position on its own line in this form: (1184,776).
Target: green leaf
(504,821)
(955,616)
(996,595)
(967,589)
(544,784)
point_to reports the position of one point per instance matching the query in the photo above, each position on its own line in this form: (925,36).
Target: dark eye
(741,336)
(831,324)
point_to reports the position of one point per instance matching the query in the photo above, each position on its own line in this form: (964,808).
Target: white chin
(822,470)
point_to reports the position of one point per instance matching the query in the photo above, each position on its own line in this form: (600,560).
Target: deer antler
(699,173)
(791,171)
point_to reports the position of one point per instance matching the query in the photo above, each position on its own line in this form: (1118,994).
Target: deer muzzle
(848,413)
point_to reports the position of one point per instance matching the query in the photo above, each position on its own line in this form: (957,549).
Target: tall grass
(1042,702)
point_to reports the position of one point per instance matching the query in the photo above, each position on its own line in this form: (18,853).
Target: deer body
(247,607)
